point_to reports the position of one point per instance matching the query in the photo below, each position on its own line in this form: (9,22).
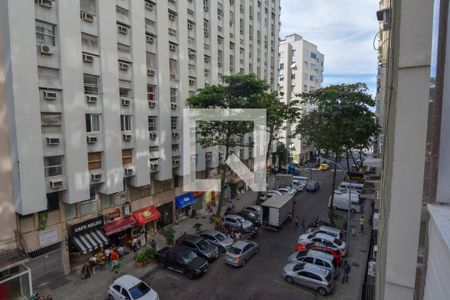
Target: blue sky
(343,30)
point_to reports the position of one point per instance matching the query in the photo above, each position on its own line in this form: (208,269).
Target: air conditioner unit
(91,99)
(150,39)
(231,46)
(153,135)
(87,58)
(46,49)
(173,47)
(96,176)
(206,33)
(149,5)
(385,16)
(205,7)
(173,106)
(191,54)
(219,65)
(49,95)
(154,165)
(175,134)
(56,183)
(175,162)
(208,156)
(152,104)
(124,66)
(125,101)
(220,40)
(150,72)
(206,59)
(126,136)
(91,139)
(172,17)
(85,16)
(45,3)
(122,29)
(191,81)
(128,171)
(190,26)
(53,140)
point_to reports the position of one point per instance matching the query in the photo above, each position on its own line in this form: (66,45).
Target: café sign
(86,225)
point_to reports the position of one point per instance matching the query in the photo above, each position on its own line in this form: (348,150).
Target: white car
(298,185)
(132,288)
(287,190)
(325,239)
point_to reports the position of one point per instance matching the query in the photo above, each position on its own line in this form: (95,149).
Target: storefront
(198,204)
(120,231)
(146,218)
(166,211)
(184,204)
(15,276)
(87,236)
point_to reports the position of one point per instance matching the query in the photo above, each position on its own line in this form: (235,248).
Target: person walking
(302,225)
(296,222)
(134,244)
(362,221)
(345,271)
(153,244)
(93,263)
(115,261)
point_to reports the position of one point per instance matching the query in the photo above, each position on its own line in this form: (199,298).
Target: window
(174,123)
(152,125)
(173,95)
(127,157)
(95,161)
(88,206)
(70,211)
(313,55)
(293,76)
(89,42)
(124,92)
(45,33)
(125,122)
(92,123)
(173,67)
(51,122)
(311,77)
(54,165)
(91,84)
(281,66)
(151,92)
(52,201)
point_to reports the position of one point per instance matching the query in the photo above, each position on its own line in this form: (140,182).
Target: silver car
(256,209)
(309,275)
(238,223)
(218,238)
(240,253)
(316,258)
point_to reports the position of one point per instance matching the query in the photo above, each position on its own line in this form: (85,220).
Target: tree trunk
(361,162)
(333,186)
(353,158)
(223,176)
(348,161)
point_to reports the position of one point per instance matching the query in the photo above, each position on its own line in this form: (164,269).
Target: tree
(282,154)
(338,121)
(235,91)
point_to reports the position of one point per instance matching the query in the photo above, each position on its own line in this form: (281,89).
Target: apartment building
(300,70)
(94,92)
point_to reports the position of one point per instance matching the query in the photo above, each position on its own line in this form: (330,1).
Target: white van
(302,179)
(353,186)
(340,201)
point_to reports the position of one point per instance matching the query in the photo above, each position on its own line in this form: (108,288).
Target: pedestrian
(108,254)
(153,244)
(346,271)
(362,220)
(115,261)
(134,244)
(296,222)
(93,263)
(302,225)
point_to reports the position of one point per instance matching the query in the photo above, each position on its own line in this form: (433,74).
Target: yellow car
(324,167)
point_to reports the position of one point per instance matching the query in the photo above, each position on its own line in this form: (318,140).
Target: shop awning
(185,200)
(90,240)
(197,194)
(146,215)
(119,225)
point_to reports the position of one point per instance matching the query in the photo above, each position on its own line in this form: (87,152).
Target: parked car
(238,223)
(200,246)
(317,258)
(219,239)
(298,185)
(309,275)
(322,248)
(341,201)
(336,232)
(132,288)
(325,239)
(312,186)
(287,190)
(182,259)
(241,252)
(251,216)
(256,209)
(274,192)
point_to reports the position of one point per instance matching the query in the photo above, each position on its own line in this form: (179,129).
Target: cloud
(343,30)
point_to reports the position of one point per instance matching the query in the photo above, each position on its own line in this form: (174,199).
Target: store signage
(86,225)
(114,214)
(48,237)
(147,213)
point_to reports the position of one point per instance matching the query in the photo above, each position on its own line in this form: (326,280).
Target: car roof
(315,269)
(210,232)
(319,254)
(127,281)
(241,244)
(190,237)
(234,217)
(254,206)
(181,249)
(325,236)
(331,229)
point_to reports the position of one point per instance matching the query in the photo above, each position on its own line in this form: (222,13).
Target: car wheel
(110,297)
(244,262)
(322,291)
(162,265)
(190,275)
(289,279)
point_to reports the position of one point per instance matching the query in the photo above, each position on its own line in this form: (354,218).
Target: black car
(182,259)
(312,186)
(200,246)
(252,217)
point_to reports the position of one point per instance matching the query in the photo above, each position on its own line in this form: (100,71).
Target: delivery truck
(275,211)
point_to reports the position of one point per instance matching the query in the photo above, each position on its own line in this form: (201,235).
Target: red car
(319,247)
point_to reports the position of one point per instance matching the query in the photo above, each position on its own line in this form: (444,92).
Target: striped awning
(90,240)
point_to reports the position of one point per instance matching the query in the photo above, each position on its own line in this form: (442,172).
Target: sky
(343,30)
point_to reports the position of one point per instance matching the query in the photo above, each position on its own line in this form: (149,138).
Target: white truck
(275,211)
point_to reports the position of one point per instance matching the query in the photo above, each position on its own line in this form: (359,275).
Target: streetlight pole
(349,201)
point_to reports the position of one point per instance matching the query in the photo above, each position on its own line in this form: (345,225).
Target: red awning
(197,194)
(119,225)
(146,215)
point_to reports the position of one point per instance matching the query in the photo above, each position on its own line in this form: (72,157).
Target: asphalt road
(261,277)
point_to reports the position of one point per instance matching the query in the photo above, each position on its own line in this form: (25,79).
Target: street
(261,277)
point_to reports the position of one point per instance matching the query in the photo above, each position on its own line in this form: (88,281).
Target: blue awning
(185,199)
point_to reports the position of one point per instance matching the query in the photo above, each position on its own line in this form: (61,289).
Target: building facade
(300,70)
(94,92)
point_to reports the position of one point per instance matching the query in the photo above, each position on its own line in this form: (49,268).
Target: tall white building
(300,70)
(94,91)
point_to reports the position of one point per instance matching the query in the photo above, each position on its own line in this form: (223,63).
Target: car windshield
(139,290)
(220,237)
(189,256)
(234,250)
(241,220)
(338,242)
(203,245)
